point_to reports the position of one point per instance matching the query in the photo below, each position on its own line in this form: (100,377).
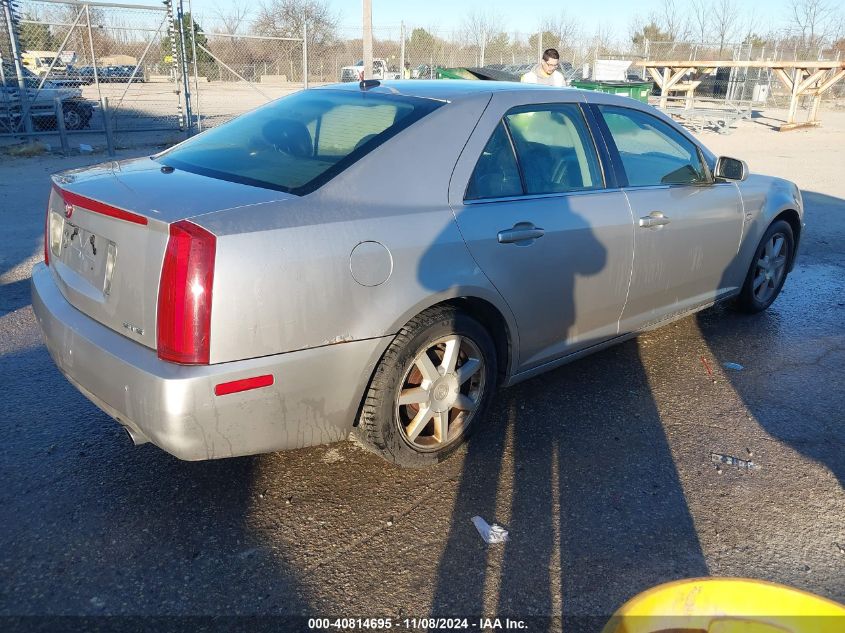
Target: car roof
(444,89)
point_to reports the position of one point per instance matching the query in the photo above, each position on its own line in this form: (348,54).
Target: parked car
(119,74)
(83,75)
(77,110)
(380,71)
(288,277)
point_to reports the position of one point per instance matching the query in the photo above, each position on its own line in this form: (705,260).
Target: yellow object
(727,605)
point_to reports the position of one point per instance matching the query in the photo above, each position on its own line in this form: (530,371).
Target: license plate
(89,255)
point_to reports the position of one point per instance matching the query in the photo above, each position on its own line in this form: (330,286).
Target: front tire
(431,389)
(768,270)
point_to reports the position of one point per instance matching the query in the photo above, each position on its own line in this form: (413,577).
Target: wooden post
(664,88)
(817,99)
(797,76)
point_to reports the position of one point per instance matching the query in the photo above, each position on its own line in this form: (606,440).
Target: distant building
(117,60)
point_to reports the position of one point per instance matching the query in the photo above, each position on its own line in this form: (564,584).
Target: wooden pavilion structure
(801,79)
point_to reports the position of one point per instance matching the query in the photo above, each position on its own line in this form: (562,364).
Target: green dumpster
(453,73)
(638,90)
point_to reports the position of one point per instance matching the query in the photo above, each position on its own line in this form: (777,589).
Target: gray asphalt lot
(601,471)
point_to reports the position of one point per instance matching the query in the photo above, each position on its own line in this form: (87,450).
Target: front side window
(555,148)
(300,142)
(652,152)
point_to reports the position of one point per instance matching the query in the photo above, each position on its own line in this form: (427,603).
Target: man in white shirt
(546,72)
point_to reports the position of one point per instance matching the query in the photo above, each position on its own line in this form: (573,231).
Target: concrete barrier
(166,78)
(273,79)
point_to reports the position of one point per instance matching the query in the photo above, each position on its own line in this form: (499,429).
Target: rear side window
(300,142)
(496,174)
(652,152)
(555,148)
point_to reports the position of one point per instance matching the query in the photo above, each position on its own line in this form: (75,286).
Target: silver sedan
(379,258)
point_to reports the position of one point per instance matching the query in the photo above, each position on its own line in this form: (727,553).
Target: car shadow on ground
(597,512)
(14,296)
(579,470)
(798,338)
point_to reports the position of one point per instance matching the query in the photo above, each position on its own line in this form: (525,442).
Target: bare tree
(813,21)
(673,20)
(701,19)
(725,22)
(602,40)
(480,27)
(286,18)
(564,27)
(231,17)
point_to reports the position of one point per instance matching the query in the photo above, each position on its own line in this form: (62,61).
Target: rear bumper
(314,398)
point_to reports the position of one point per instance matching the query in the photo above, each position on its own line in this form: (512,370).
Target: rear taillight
(184,295)
(47,236)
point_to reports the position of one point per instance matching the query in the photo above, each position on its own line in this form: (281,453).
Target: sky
(516,15)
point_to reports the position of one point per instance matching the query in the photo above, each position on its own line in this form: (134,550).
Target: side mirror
(731,168)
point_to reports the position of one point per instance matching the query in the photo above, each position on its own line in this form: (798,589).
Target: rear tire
(74,118)
(432,388)
(768,270)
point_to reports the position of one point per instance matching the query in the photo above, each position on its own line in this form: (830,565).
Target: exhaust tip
(135,435)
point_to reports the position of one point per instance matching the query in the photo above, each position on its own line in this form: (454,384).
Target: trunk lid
(108,229)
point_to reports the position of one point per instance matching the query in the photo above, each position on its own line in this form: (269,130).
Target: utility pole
(368,39)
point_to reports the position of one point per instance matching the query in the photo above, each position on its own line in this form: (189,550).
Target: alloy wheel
(770,270)
(440,393)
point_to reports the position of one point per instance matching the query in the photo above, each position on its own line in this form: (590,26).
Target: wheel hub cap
(444,392)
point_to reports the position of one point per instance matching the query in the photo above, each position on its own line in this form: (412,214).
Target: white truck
(380,71)
(42,103)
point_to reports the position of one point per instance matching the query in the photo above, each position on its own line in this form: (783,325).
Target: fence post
(305,54)
(171,32)
(183,66)
(60,125)
(402,50)
(91,47)
(104,106)
(196,71)
(16,56)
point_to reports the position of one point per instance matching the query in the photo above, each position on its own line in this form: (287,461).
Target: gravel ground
(601,470)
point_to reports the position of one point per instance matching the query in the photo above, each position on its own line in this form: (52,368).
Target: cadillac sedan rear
(202,297)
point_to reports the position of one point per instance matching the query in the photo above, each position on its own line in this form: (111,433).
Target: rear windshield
(298,143)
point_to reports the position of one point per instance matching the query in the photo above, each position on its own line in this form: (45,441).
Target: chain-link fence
(414,52)
(124,74)
(88,68)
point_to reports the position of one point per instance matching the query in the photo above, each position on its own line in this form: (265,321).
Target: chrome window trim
(543,196)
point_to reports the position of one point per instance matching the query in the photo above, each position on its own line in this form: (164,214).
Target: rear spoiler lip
(95,206)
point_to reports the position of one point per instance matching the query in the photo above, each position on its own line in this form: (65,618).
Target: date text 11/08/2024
(422,624)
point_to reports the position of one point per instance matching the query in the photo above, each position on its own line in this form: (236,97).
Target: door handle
(654,219)
(521,232)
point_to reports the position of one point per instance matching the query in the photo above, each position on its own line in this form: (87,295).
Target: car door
(534,208)
(687,226)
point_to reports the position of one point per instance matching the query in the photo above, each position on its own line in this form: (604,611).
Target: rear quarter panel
(283,280)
